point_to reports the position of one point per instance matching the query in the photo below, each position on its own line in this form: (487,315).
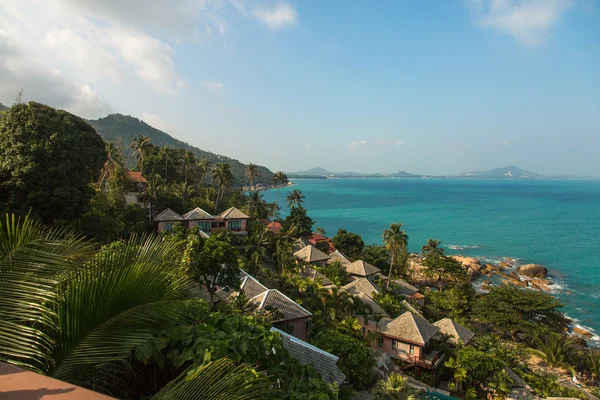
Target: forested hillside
(126,128)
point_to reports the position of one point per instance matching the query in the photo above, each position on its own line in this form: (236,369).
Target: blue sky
(422,86)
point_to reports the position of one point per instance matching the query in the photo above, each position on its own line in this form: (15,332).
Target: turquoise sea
(553,223)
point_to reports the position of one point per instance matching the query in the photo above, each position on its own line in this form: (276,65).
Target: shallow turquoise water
(554,223)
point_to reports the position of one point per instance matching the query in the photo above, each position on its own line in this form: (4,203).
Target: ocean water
(553,223)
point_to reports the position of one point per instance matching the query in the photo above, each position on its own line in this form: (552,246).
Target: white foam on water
(592,341)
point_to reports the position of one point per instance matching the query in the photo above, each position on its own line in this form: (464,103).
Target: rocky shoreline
(484,275)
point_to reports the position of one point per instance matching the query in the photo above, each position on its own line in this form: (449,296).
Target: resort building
(408,338)
(325,363)
(403,288)
(455,331)
(316,276)
(362,269)
(291,316)
(311,255)
(232,220)
(362,285)
(135,186)
(336,256)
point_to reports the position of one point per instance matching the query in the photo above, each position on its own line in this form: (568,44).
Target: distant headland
(511,172)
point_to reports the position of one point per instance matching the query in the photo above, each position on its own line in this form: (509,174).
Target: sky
(431,87)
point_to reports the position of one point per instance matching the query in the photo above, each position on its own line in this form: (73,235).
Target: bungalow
(168,219)
(316,238)
(300,243)
(336,256)
(136,184)
(456,332)
(362,285)
(311,255)
(315,275)
(403,288)
(292,316)
(231,219)
(324,363)
(408,338)
(199,219)
(362,269)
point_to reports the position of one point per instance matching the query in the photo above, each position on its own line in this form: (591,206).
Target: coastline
(554,287)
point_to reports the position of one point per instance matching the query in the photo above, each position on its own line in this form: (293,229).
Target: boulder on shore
(583,332)
(504,265)
(533,270)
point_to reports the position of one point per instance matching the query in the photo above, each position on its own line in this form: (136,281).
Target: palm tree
(201,169)
(223,178)
(555,349)
(255,204)
(139,145)
(220,379)
(114,159)
(321,231)
(186,162)
(251,172)
(432,248)
(395,240)
(295,198)
(77,317)
(279,179)
(394,388)
(501,384)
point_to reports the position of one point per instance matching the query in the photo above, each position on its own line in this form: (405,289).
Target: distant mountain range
(125,128)
(510,172)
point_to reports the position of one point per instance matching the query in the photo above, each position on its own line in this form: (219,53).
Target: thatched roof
(361,268)
(410,328)
(455,330)
(136,176)
(251,287)
(404,287)
(233,213)
(168,215)
(197,214)
(310,254)
(362,285)
(336,256)
(275,299)
(324,362)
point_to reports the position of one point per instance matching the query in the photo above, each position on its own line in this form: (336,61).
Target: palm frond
(118,302)
(217,380)
(33,260)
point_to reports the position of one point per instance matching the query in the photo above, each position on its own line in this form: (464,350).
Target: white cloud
(276,17)
(213,85)
(156,121)
(356,145)
(528,21)
(87,104)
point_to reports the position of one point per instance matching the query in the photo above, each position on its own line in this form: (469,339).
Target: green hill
(126,128)
(3,107)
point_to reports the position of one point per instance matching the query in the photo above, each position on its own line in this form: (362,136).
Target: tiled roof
(168,215)
(339,257)
(375,308)
(362,285)
(252,287)
(275,299)
(311,254)
(136,177)
(404,287)
(324,362)
(233,213)
(197,213)
(300,243)
(203,234)
(411,328)
(455,330)
(315,276)
(361,268)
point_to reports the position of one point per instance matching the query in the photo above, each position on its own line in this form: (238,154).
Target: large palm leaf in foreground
(83,324)
(33,260)
(217,380)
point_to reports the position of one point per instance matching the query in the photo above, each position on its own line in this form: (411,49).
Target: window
(379,341)
(411,350)
(169,226)
(394,344)
(235,225)
(204,225)
(213,225)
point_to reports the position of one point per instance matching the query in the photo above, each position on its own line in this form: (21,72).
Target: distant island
(511,172)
